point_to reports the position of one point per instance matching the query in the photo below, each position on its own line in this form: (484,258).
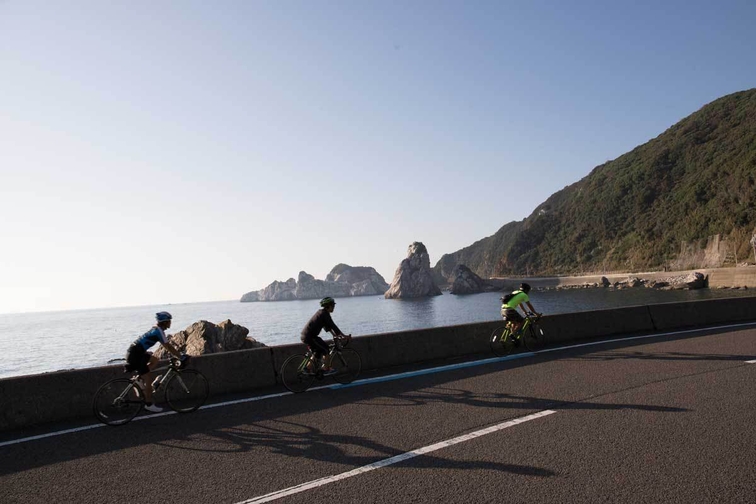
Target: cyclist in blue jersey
(510,304)
(321,320)
(140,359)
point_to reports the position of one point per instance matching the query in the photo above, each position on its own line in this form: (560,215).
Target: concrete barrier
(67,395)
(668,316)
(585,325)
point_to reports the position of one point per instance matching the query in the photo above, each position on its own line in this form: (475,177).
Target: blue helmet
(163,316)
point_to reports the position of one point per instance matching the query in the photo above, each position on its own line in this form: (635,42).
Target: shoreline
(716,278)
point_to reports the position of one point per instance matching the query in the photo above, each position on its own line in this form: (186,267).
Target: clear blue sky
(166,152)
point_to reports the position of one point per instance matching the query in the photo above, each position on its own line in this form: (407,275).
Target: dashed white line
(393,460)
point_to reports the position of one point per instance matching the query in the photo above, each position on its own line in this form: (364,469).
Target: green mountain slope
(636,212)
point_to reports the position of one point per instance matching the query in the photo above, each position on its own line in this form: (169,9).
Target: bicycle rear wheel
(533,338)
(294,373)
(347,364)
(117,402)
(501,341)
(186,391)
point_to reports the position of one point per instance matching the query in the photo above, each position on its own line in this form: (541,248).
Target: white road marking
(393,460)
(397,376)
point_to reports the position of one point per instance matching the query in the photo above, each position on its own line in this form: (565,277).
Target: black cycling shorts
(137,359)
(318,346)
(512,315)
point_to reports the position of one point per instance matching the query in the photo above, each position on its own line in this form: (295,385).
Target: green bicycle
(530,334)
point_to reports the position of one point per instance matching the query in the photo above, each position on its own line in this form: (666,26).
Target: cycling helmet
(525,288)
(163,316)
(327,301)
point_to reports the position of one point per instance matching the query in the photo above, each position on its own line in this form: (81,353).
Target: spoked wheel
(533,338)
(294,373)
(117,402)
(186,391)
(501,341)
(347,364)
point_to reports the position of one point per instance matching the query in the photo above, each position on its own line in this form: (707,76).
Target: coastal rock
(634,282)
(413,277)
(277,291)
(364,281)
(605,282)
(695,280)
(464,281)
(342,281)
(204,337)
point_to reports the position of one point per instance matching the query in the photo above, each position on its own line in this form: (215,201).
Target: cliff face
(652,207)
(413,277)
(342,281)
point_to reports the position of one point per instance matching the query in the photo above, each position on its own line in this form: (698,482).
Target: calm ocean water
(40,342)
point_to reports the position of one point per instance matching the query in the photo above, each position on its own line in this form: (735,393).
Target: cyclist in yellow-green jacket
(510,302)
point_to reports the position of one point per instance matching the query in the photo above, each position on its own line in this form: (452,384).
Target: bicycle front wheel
(501,341)
(347,364)
(186,391)
(533,338)
(295,375)
(117,402)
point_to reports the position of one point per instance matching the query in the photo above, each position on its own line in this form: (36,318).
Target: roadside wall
(67,395)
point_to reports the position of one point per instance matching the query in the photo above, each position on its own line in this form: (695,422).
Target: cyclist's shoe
(152,408)
(329,371)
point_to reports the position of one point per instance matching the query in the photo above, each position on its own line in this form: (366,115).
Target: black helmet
(525,287)
(327,301)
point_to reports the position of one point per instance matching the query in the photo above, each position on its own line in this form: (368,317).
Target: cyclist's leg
(515,319)
(319,350)
(140,361)
(145,376)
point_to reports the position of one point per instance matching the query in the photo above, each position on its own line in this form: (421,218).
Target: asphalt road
(662,419)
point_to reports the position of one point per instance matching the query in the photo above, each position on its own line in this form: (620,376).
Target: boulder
(605,282)
(413,277)
(464,281)
(204,337)
(695,280)
(634,282)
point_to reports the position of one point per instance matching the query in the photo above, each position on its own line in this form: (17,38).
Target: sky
(186,151)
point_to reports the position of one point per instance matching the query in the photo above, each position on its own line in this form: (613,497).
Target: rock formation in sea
(464,281)
(413,277)
(204,337)
(342,281)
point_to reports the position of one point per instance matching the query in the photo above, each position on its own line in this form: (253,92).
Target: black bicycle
(299,371)
(118,401)
(503,341)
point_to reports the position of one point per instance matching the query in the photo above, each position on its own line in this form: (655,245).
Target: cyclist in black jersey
(310,334)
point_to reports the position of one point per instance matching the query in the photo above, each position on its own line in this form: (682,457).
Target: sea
(40,342)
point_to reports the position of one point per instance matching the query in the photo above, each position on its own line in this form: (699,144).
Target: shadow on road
(275,426)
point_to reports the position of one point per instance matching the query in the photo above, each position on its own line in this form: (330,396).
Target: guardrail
(67,395)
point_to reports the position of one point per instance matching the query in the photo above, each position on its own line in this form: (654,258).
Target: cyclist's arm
(171,349)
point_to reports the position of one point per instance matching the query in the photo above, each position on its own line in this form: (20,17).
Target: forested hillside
(640,210)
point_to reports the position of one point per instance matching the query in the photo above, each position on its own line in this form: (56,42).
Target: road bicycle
(118,401)
(297,376)
(530,334)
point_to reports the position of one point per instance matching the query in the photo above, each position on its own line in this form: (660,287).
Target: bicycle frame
(334,348)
